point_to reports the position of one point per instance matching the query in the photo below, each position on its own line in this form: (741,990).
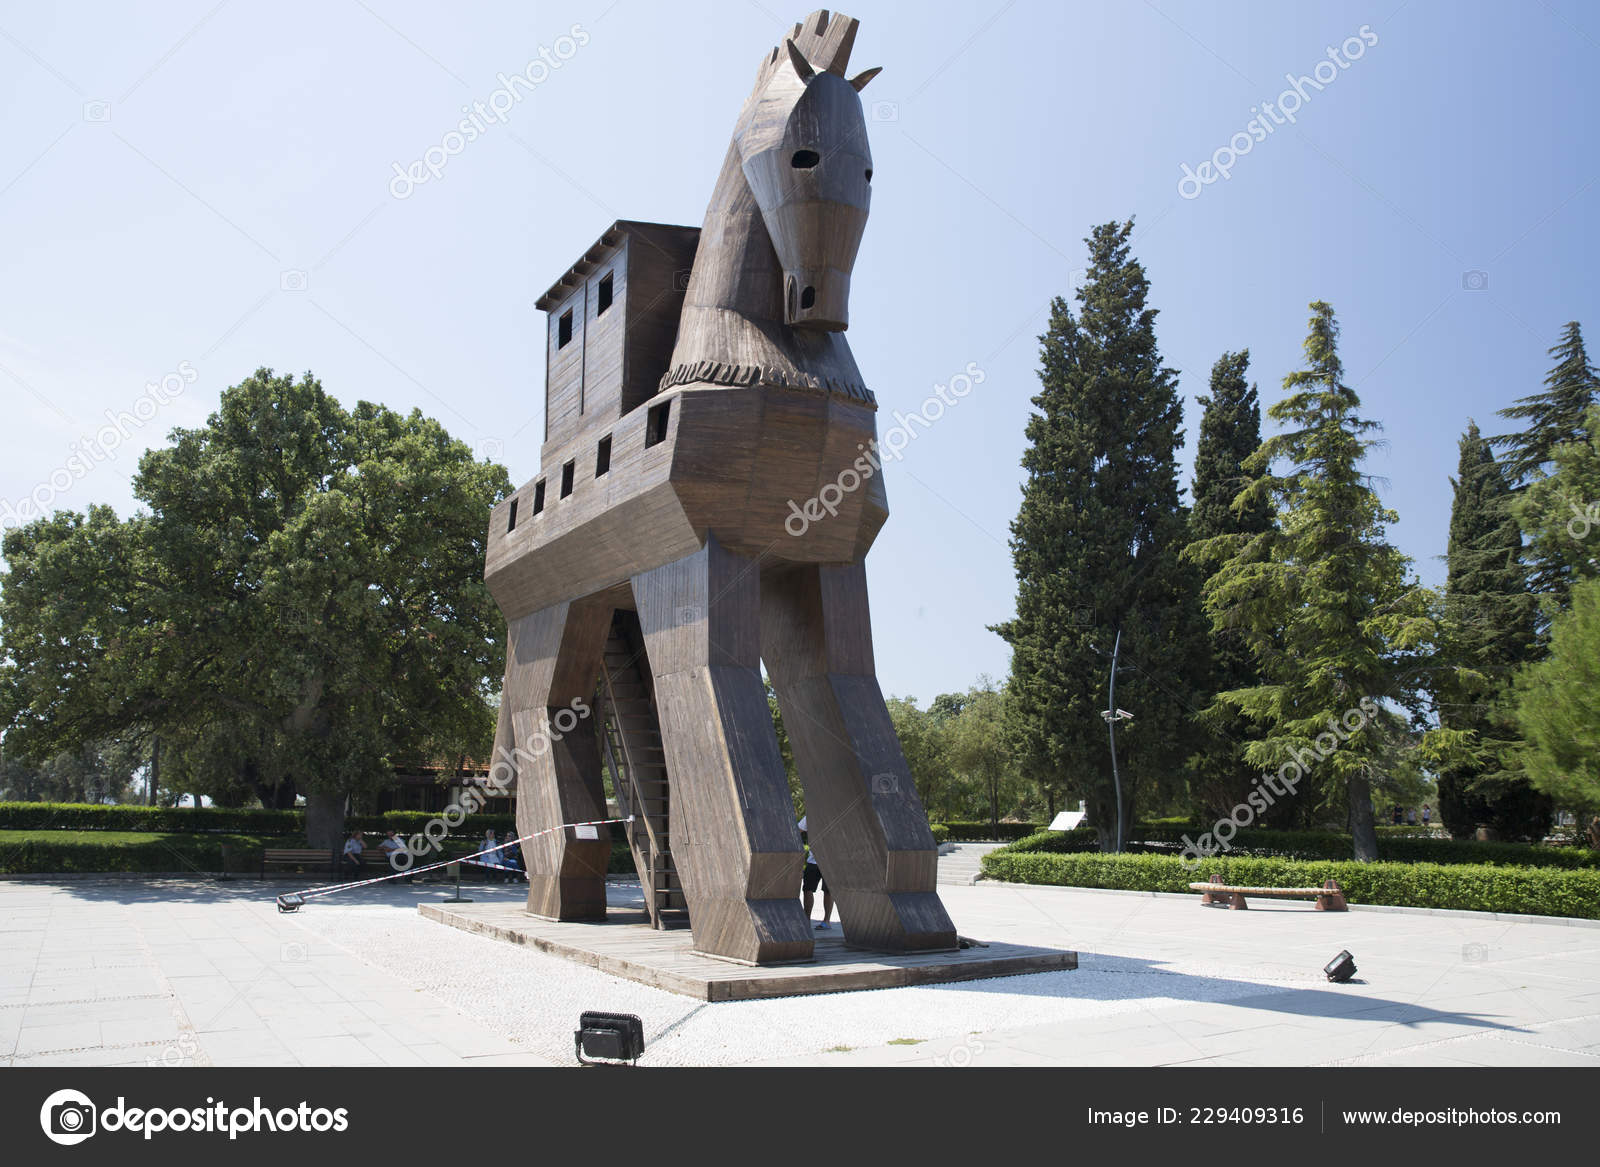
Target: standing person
(1427,815)
(811,881)
(352,853)
(1411,817)
(496,854)
(1399,815)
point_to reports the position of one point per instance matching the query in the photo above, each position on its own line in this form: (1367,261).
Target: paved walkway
(184,973)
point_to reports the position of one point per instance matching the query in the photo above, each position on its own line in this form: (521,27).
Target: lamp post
(1113,715)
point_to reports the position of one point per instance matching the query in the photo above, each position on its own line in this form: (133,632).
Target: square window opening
(655,430)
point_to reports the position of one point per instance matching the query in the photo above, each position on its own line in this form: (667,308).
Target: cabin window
(805,159)
(655,430)
(538,496)
(511,520)
(564,330)
(602,456)
(566,479)
(604,300)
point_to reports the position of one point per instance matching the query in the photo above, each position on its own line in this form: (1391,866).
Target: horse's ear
(801,65)
(859,81)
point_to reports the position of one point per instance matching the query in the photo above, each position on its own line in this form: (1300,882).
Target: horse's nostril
(808,298)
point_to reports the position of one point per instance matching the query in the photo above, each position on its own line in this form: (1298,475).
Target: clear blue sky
(210,183)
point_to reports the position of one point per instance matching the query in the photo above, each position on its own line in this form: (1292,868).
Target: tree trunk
(325,821)
(1362,829)
(154,782)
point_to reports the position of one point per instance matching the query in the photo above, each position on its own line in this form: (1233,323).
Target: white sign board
(1067,820)
(586,832)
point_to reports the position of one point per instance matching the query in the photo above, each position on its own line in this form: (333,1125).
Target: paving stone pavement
(189,972)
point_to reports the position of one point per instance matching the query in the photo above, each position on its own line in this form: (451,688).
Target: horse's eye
(869,174)
(805,159)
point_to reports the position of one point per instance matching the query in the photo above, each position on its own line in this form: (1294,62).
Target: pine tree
(1489,630)
(1558,706)
(1321,599)
(1095,544)
(1560,511)
(1230,431)
(1555,416)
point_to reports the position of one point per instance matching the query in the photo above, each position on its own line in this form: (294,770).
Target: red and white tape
(330,889)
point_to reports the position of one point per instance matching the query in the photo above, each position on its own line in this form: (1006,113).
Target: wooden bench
(1329,897)
(298,859)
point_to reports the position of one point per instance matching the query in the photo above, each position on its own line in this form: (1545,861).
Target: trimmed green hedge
(941,833)
(1528,891)
(985,831)
(51,852)
(1255,842)
(84,816)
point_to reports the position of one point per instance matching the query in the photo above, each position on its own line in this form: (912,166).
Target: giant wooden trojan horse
(699,394)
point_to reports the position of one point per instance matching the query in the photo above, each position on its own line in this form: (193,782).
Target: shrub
(1312,845)
(51,852)
(941,833)
(88,816)
(1528,891)
(985,831)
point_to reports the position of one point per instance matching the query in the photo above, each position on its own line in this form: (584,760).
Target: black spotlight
(616,1037)
(290,903)
(1341,968)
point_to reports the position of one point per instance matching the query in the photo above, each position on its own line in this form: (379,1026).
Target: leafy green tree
(1489,627)
(1230,432)
(1321,598)
(1558,706)
(302,604)
(923,741)
(1095,545)
(979,748)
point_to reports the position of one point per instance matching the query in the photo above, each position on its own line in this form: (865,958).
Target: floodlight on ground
(1341,968)
(290,903)
(615,1037)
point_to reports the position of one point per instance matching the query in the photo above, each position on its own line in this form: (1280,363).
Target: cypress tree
(1489,630)
(1095,545)
(1230,431)
(1321,599)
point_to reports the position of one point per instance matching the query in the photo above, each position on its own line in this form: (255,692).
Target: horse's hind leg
(544,735)
(866,824)
(734,842)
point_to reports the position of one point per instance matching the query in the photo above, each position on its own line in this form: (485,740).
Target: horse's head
(802,142)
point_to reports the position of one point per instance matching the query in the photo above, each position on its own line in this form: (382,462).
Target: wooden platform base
(626,946)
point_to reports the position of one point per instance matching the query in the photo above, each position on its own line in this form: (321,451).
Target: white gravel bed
(534,998)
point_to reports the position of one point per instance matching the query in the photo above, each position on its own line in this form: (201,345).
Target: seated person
(352,853)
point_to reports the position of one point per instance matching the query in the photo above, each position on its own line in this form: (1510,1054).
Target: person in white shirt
(811,881)
(392,849)
(352,852)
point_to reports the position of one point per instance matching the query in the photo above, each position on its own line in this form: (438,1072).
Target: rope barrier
(293,901)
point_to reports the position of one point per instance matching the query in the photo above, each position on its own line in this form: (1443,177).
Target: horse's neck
(732,331)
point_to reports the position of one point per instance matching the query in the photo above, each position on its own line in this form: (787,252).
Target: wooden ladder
(631,737)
